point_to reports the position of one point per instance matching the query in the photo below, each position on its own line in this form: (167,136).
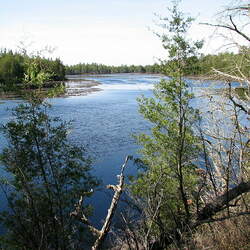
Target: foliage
(220,190)
(48,175)
(35,71)
(167,187)
(11,68)
(94,68)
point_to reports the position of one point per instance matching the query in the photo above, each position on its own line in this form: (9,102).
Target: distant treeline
(20,69)
(94,68)
(204,64)
(17,68)
(196,66)
(225,62)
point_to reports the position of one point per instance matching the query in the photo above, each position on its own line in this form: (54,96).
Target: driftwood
(102,234)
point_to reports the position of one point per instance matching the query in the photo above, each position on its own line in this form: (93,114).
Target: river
(103,121)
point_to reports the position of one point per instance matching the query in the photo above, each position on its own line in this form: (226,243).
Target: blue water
(104,123)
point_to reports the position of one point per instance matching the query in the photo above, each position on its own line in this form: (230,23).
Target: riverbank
(85,84)
(70,87)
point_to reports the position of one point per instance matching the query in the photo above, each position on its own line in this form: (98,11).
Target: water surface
(104,122)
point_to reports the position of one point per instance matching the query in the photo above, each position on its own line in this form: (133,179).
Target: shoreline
(78,87)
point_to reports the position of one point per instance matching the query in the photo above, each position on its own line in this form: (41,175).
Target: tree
(19,70)
(48,175)
(167,186)
(228,127)
(174,198)
(11,68)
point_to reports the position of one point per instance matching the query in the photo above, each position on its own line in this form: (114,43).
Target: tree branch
(78,214)
(205,215)
(219,203)
(111,211)
(233,101)
(234,28)
(198,223)
(232,77)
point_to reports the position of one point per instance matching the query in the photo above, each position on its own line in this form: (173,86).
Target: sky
(111,32)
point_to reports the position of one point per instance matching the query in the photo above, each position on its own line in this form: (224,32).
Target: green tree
(11,68)
(166,188)
(48,175)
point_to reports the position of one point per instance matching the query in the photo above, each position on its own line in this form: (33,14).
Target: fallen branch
(205,215)
(198,223)
(101,234)
(219,203)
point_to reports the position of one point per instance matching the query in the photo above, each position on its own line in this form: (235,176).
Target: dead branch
(233,101)
(229,27)
(79,215)
(206,214)
(198,223)
(220,202)
(101,234)
(111,211)
(230,77)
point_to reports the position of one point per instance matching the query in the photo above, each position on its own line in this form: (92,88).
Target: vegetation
(19,71)
(94,68)
(194,183)
(197,65)
(191,178)
(166,189)
(48,174)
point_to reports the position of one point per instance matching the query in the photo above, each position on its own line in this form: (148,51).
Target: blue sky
(104,31)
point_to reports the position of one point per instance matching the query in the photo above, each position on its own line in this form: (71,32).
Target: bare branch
(111,211)
(232,28)
(79,215)
(233,101)
(220,219)
(219,203)
(232,77)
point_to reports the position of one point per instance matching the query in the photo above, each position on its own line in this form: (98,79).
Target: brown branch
(233,101)
(198,223)
(239,8)
(205,215)
(237,30)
